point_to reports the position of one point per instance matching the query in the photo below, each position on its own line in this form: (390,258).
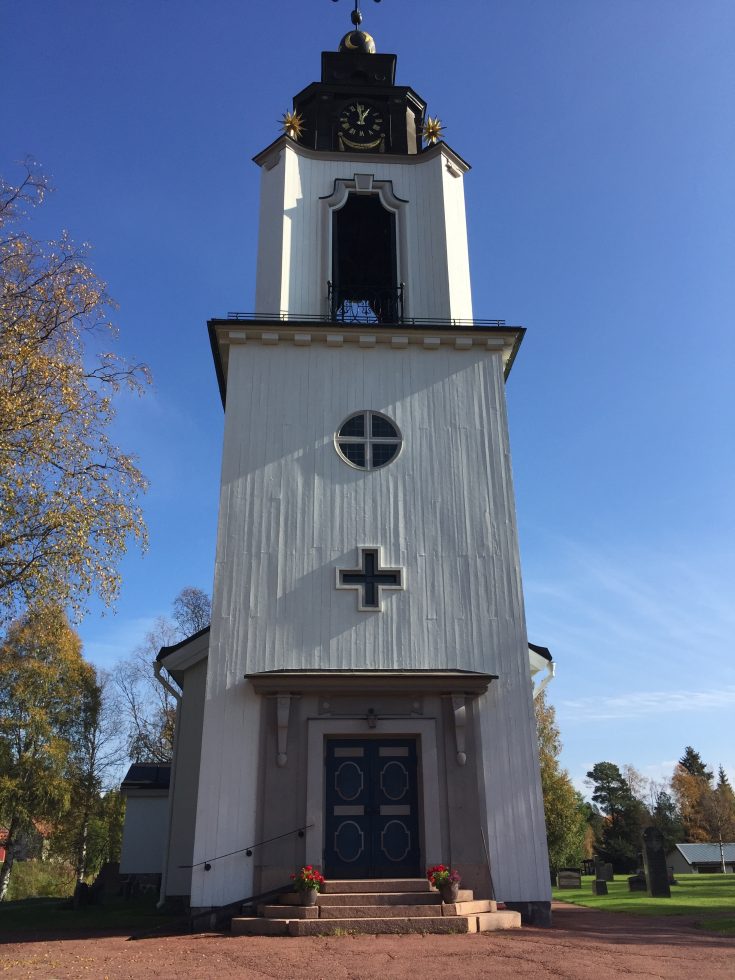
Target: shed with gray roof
(701,858)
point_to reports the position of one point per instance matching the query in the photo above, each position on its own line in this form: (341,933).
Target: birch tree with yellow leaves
(44,683)
(68,495)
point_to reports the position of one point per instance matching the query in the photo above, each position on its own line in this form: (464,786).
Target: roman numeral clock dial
(360,127)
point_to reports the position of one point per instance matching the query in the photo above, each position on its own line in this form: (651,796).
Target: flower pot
(309,896)
(449,891)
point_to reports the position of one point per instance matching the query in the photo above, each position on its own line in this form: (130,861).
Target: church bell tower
(368,706)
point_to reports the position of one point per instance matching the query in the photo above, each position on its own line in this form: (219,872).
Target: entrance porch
(381,770)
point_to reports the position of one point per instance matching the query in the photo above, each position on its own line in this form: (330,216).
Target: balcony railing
(443,323)
(365,304)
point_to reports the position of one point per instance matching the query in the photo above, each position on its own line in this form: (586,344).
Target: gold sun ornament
(433,129)
(293,124)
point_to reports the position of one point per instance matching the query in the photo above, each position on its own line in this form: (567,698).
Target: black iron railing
(248,851)
(442,323)
(365,304)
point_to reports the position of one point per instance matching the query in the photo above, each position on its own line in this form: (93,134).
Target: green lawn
(710,898)
(47,915)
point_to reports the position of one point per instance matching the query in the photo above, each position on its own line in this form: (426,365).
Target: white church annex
(362,701)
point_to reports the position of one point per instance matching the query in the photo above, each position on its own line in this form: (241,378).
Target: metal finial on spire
(356,15)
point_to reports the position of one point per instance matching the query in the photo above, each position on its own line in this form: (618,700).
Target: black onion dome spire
(357,107)
(357,41)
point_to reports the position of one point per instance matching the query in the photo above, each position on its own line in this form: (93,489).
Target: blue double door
(372,825)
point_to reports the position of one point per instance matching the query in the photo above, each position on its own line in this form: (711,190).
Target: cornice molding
(268,158)
(224,334)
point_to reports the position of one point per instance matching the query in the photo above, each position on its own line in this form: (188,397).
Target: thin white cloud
(637,704)
(659,772)
(114,639)
(610,611)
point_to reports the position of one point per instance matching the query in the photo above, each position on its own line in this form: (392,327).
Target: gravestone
(568,879)
(108,883)
(599,887)
(654,861)
(637,883)
(605,872)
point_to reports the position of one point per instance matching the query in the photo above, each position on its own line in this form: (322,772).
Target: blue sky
(600,212)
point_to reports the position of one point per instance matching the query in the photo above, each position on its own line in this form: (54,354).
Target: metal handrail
(288,317)
(299,831)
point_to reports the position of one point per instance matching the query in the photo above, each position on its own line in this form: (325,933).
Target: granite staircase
(382,906)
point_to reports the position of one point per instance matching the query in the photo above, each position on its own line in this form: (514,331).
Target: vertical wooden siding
(294,264)
(291,511)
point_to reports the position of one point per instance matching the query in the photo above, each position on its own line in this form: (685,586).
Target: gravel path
(583,944)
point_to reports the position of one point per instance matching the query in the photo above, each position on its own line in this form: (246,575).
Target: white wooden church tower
(363,698)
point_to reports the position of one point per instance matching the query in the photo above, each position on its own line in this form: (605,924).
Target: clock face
(361,127)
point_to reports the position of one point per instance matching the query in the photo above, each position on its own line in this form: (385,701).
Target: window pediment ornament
(363,184)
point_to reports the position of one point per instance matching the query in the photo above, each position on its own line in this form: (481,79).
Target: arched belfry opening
(364,287)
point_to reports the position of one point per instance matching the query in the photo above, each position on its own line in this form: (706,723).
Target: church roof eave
(164,652)
(541,651)
(239,328)
(373,681)
(148,776)
(179,657)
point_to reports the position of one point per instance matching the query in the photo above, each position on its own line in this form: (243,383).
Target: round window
(368,440)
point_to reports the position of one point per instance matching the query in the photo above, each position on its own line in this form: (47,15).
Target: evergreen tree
(718,813)
(723,783)
(625,816)
(666,818)
(692,786)
(693,763)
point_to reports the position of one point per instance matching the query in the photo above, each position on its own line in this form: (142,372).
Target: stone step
(352,886)
(376,906)
(329,912)
(495,921)
(289,898)
(289,911)
(377,898)
(380,898)
(465,895)
(384,925)
(468,906)
(242,926)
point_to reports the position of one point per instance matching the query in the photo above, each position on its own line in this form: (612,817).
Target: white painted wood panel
(292,511)
(294,262)
(270,244)
(295,511)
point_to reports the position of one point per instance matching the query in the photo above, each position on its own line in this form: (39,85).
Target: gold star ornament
(433,129)
(293,124)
